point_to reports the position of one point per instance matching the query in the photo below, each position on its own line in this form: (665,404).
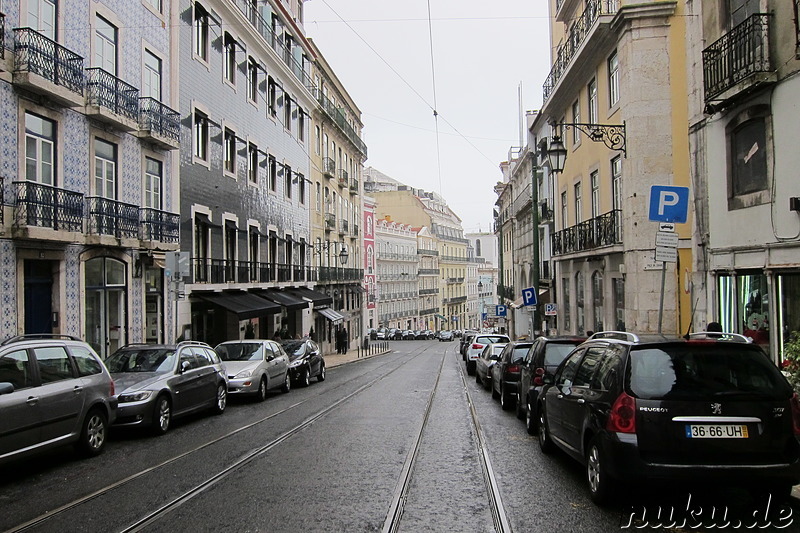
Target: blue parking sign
(669,204)
(501,310)
(529,296)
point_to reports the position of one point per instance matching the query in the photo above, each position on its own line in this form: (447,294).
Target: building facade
(428,275)
(398,275)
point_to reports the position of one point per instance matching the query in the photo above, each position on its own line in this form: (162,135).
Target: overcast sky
(482,53)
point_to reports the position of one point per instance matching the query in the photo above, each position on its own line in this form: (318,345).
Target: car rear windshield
(520,352)
(701,370)
(556,352)
(144,360)
(487,339)
(240,351)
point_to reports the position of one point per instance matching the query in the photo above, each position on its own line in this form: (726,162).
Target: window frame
(200,137)
(591,93)
(201,30)
(613,79)
(148,194)
(229,155)
(754,114)
(41,140)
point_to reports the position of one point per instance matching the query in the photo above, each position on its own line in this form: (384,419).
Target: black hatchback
(631,409)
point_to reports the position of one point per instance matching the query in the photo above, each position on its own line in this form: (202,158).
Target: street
(388,443)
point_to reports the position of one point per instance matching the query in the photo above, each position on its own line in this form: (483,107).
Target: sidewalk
(356,354)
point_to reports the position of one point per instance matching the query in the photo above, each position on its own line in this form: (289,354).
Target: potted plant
(791,360)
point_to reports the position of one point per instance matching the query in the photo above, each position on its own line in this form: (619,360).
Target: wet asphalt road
(329,457)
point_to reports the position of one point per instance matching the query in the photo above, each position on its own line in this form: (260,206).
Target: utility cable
(435,104)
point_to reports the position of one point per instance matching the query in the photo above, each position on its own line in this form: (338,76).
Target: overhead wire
(435,104)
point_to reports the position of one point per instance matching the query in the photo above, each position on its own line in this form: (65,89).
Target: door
(576,406)
(20,425)
(38,296)
(61,395)
(558,395)
(105,305)
(187,384)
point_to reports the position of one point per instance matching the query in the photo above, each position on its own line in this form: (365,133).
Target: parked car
(372,333)
(394,334)
(381,334)
(54,390)
(305,361)
(159,382)
(632,409)
(476,345)
(254,366)
(505,374)
(542,360)
(484,365)
(429,334)
(408,335)
(420,335)
(466,339)
(446,336)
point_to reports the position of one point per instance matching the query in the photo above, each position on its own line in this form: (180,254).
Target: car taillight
(539,379)
(795,403)
(113,389)
(514,369)
(477,346)
(622,418)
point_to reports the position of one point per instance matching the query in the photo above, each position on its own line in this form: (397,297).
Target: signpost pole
(661,302)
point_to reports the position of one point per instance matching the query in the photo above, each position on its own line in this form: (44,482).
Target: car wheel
(93,433)
(222,399)
(530,419)
(505,398)
(262,389)
(162,415)
(478,379)
(545,443)
(305,378)
(321,376)
(287,383)
(520,408)
(601,486)
(470,368)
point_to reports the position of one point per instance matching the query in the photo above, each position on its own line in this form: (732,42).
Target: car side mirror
(548,380)
(270,357)
(185,365)
(6,387)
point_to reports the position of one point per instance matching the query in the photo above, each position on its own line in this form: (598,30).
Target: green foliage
(791,359)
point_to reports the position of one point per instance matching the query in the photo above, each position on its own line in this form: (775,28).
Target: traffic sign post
(669,204)
(550,309)
(501,311)
(529,296)
(666,252)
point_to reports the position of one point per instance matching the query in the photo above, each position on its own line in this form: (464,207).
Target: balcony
(45,206)
(340,274)
(43,66)
(581,35)
(453,259)
(431,311)
(159,226)
(354,185)
(545,211)
(505,291)
(343,227)
(603,230)
(328,167)
(205,270)
(343,178)
(428,272)
(340,119)
(424,292)
(330,221)
(425,251)
(111,100)
(523,200)
(110,217)
(451,281)
(739,60)
(159,124)
(354,230)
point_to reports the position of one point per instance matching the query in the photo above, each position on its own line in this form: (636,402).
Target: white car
(255,366)
(477,345)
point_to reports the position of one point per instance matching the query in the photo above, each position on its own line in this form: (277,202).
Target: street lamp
(612,135)
(321,247)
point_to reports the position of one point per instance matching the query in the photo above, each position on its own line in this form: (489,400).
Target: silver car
(159,382)
(54,390)
(255,366)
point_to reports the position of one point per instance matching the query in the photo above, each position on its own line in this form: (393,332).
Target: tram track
(210,481)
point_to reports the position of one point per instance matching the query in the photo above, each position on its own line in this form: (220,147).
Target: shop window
(743,306)
(749,156)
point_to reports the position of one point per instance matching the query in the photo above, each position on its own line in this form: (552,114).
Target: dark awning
(319,298)
(331,315)
(244,304)
(289,301)
(357,289)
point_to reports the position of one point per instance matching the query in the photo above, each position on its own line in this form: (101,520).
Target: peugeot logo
(716,408)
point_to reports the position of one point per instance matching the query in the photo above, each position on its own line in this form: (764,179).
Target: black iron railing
(33,52)
(505,291)
(2,198)
(110,217)
(340,274)
(159,119)
(453,259)
(106,90)
(603,230)
(740,53)
(234,271)
(343,178)
(423,292)
(2,35)
(429,311)
(159,225)
(48,207)
(354,184)
(328,166)
(428,271)
(574,38)
(343,226)
(340,119)
(426,251)
(330,221)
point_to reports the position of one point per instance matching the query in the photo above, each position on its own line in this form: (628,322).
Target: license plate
(713,431)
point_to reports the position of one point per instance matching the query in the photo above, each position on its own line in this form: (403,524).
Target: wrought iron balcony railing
(603,230)
(159,119)
(354,230)
(428,271)
(424,292)
(343,178)
(431,311)
(738,54)
(106,90)
(426,251)
(159,225)
(453,259)
(48,207)
(545,211)
(574,38)
(205,270)
(354,184)
(2,198)
(343,226)
(505,291)
(330,221)
(328,166)
(340,119)
(33,52)
(340,274)
(110,217)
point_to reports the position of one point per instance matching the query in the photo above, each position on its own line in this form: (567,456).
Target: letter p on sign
(669,204)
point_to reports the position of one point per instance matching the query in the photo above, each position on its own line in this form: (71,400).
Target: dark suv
(712,408)
(541,360)
(505,374)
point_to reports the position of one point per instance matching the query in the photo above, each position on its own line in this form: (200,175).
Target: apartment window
(564,223)
(749,156)
(151,84)
(592,93)
(42,17)
(230,151)
(273,173)
(619,303)
(201,32)
(153,177)
(105,45)
(317,140)
(252,80)
(613,79)
(156,4)
(200,136)
(40,149)
(252,163)
(318,197)
(301,188)
(231,238)
(253,251)
(580,316)
(616,183)
(578,203)
(565,306)
(202,245)
(287,180)
(287,111)
(597,300)
(576,117)
(594,179)
(271,97)
(105,169)
(230,59)
(301,125)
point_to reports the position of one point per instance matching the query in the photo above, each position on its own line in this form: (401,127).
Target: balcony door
(42,17)
(105,46)
(38,296)
(105,304)
(741,10)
